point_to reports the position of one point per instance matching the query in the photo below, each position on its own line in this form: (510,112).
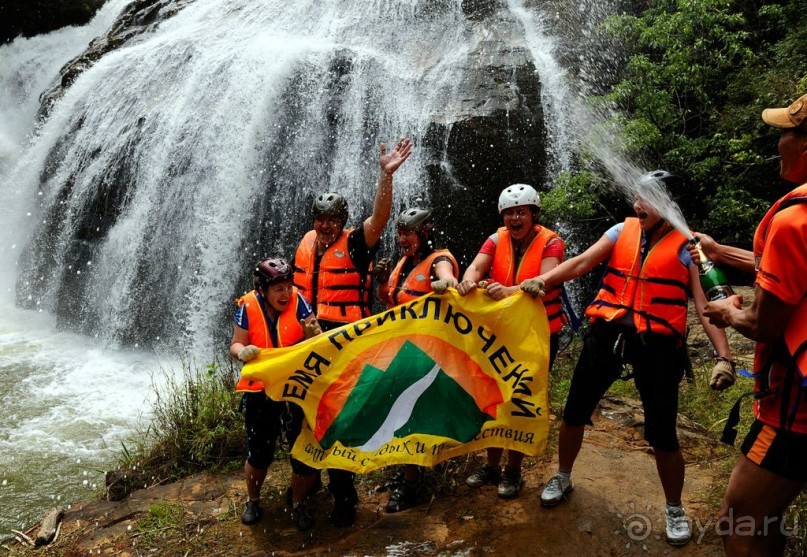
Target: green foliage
(583,198)
(574,198)
(795,519)
(196,425)
(699,73)
(165,519)
(165,514)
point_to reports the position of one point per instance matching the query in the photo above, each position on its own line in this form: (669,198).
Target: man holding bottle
(772,469)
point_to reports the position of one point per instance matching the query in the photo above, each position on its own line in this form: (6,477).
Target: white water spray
(164,157)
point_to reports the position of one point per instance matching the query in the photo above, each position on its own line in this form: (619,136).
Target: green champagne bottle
(713,281)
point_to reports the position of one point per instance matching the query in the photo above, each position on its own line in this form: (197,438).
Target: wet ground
(615,509)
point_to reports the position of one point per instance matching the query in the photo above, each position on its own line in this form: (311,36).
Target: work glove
(248,352)
(311,329)
(440,286)
(382,269)
(534,287)
(723,374)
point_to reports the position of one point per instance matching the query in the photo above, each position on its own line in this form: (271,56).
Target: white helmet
(519,194)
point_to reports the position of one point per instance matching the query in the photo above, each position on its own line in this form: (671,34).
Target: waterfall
(172,164)
(131,214)
(29,65)
(557,92)
(177,160)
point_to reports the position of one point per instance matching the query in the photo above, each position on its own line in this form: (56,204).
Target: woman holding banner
(519,250)
(272,315)
(420,266)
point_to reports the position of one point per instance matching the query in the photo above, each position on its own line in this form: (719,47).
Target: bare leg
(569,442)
(514,460)
(411,473)
(301,486)
(751,514)
(671,470)
(254,477)
(495,456)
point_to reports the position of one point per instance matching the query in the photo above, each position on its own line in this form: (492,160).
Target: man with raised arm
(332,270)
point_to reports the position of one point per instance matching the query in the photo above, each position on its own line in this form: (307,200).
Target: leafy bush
(699,73)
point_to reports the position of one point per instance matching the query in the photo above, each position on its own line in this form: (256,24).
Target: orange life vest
(418,281)
(342,292)
(288,326)
(776,361)
(656,290)
(503,269)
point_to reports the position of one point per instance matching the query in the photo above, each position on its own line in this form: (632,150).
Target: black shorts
(262,421)
(658,363)
(293,426)
(782,452)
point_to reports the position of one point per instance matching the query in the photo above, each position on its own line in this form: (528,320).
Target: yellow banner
(420,383)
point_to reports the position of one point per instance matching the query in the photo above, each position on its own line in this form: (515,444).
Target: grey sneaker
(678,531)
(487,474)
(403,497)
(510,484)
(556,489)
(252,513)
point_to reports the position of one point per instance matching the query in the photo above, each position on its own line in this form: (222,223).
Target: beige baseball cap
(793,116)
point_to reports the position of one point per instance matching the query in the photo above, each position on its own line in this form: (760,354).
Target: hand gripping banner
(439,377)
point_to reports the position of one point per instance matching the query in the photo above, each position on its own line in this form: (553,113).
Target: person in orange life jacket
(521,249)
(331,268)
(273,315)
(772,469)
(419,267)
(331,262)
(638,317)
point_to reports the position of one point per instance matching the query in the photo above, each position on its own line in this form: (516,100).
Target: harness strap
(647,316)
(729,435)
(574,321)
(787,414)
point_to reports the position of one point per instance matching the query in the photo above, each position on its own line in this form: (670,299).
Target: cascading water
(171,165)
(59,419)
(174,162)
(27,68)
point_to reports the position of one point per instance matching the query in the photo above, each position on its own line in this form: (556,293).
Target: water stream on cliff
(67,401)
(130,215)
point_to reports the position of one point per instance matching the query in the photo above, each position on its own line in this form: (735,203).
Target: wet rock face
(137,18)
(490,134)
(480,9)
(31,17)
(495,137)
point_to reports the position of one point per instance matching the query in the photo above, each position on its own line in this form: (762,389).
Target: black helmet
(270,271)
(416,219)
(662,177)
(331,204)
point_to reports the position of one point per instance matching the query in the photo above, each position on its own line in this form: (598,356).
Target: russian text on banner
(429,380)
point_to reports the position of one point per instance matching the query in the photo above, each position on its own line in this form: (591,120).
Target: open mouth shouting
(409,242)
